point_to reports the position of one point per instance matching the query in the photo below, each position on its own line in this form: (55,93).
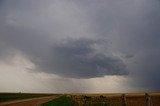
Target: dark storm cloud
(76,58)
(71,57)
(130,28)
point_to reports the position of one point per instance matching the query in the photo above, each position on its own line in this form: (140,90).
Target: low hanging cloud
(69,57)
(78,59)
(75,58)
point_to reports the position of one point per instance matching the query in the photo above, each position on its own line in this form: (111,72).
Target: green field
(61,101)
(4,97)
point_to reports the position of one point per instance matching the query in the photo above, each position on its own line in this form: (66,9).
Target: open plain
(85,99)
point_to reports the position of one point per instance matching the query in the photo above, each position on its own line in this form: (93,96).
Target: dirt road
(29,102)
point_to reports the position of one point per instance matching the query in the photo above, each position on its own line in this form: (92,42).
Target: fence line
(148,100)
(123,101)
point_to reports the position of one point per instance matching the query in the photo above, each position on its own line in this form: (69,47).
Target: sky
(79,46)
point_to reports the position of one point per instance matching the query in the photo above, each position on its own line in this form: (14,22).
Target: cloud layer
(75,57)
(85,39)
(78,59)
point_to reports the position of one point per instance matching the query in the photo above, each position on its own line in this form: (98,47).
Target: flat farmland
(83,99)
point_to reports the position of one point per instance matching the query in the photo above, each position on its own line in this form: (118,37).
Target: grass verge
(61,101)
